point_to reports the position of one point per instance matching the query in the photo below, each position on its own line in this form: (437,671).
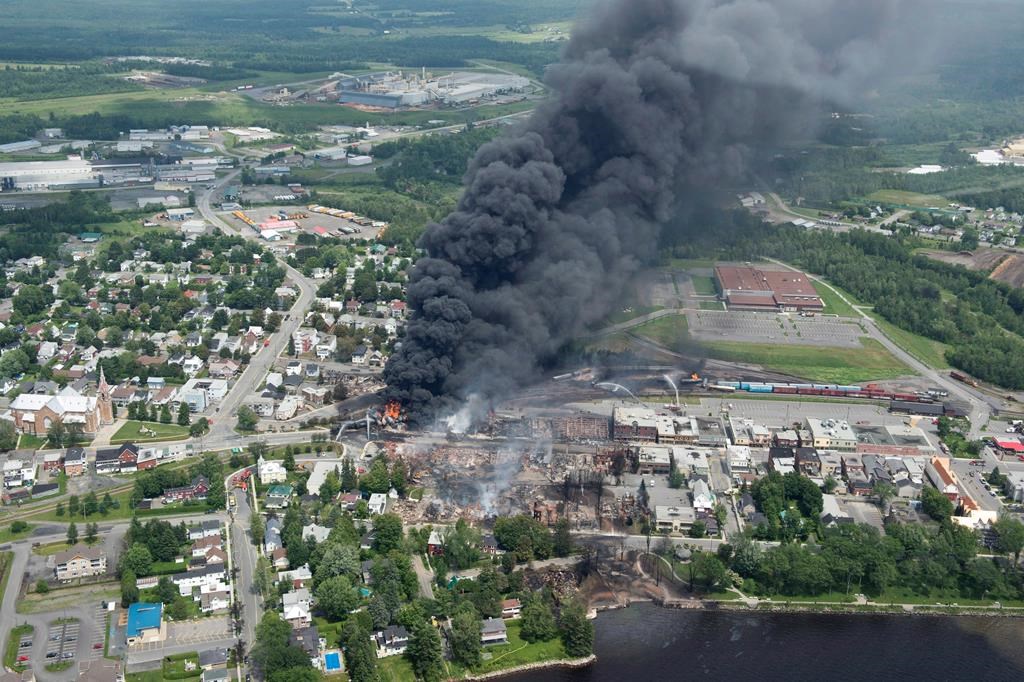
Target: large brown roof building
(751,288)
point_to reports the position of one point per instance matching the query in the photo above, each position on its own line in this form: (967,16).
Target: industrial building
(751,288)
(392,90)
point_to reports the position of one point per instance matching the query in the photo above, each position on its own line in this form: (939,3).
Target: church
(35,414)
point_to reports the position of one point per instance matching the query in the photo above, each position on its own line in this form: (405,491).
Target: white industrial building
(36,175)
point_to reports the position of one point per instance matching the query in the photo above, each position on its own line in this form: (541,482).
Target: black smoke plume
(653,101)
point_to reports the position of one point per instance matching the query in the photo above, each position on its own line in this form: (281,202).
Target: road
(982,405)
(424,576)
(245,559)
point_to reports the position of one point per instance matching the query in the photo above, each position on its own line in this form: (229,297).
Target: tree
(289,459)
(675,477)
(883,492)
(935,504)
(73,504)
(165,413)
(90,505)
(257,527)
(425,653)
(166,591)
(538,621)
(465,638)
(57,435)
(91,533)
(336,597)
(349,480)
(247,419)
(561,538)
(360,655)
(42,587)
(8,436)
(388,528)
(1009,536)
(338,559)
(184,415)
(60,509)
(200,428)
(129,590)
(272,651)
(137,559)
(72,533)
(577,631)
(708,570)
(699,529)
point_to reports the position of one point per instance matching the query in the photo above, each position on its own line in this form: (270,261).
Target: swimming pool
(332,661)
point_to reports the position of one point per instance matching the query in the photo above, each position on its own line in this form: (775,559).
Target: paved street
(424,576)
(244,556)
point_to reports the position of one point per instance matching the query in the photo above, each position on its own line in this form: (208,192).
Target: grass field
(68,597)
(712,305)
(131,432)
(834,305)
(630,313)
(670,331)
(518,652)
(912,199)
(703,285)
(29,442)
(832,365)
(931,353)
(6,534)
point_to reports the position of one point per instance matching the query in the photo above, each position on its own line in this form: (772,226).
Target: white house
(378,503)
(318,533)
(271,471)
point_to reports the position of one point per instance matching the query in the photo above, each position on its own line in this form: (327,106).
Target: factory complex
(758,288)
(393,90)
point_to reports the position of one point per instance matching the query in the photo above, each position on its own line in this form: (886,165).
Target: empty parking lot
(712,325)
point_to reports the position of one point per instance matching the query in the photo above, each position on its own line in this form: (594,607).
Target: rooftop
(143,616)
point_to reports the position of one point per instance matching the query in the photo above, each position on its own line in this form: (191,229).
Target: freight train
(869,392)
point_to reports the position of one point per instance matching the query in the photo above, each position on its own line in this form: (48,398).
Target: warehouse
(37,175)
(750,288)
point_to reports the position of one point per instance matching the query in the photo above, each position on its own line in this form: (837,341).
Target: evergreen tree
(184,416)
(129,590)
(165,414)
(425,654)
(289,459)
(538,621)
(562,539)
(465,641)
(91,533)
(577,631)
(72,533)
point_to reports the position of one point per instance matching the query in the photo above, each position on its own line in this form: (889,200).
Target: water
(646,642)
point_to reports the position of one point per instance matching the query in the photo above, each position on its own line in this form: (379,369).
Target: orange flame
(393,410)
(695,376)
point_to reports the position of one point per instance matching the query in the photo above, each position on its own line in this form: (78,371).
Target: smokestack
(653,100)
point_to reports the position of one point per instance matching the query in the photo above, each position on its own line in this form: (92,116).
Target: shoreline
(539,665)
(822,608)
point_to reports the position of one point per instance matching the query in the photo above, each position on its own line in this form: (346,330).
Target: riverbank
(565,663)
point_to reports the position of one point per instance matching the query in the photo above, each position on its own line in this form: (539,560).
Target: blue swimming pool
(332,661)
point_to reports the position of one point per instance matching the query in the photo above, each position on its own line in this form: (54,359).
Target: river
(646,642)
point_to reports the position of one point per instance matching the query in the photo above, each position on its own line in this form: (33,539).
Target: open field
(703,285)
(1001,265)
(912,199)
(131,432)
(671,331)
(931,353)
(69,597)
(29,442)
(6,535)
(834,305)
(831,365)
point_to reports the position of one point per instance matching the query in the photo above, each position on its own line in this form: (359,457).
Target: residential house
(309,640)
(80,562)
(318,533)
(392,641)
(206,529)
(295,608)
(703,498)
(213,574)
(511,609)
(327,347)
(271,471)
(435,544)
(493,631)
(211,659)
(196,490)
(53,461)
(278,496)
(378,503)
(74,462)
(272,535)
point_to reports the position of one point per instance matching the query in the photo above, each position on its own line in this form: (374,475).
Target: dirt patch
(1005,266)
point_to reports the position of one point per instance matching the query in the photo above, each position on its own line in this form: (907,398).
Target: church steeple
(103,401)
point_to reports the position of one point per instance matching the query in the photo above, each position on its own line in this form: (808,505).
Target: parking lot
(191,632)
(791,329)
(62,641)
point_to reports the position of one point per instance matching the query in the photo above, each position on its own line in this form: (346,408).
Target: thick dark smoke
(653,100)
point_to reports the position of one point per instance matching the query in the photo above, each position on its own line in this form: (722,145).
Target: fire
(695,377)
(393,410)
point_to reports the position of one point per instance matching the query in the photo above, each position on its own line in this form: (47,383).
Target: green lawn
(30,442)
(670,331)
(830,365)
(395,669)
(6,535)
(931,353)
(174,666)
(703,285)
(11,652)
(712,305)
(123,511)
(518,652)
(834,305)
(132,432)
(52,548)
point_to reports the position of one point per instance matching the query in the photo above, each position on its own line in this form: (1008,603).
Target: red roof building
(749,288)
